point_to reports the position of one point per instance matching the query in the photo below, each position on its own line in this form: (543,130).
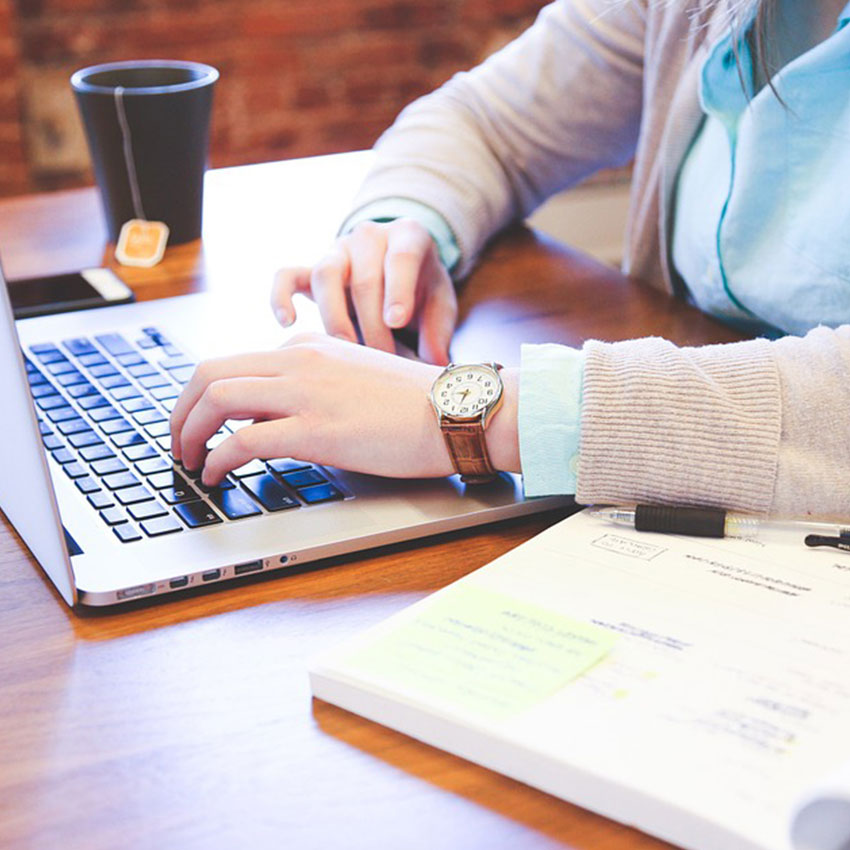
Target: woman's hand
(326,401)
(384,276)
(317,399)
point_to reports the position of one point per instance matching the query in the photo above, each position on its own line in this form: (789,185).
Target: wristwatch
(465,398)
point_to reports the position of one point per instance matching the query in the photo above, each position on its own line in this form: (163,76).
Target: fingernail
(394,315)
(283,317)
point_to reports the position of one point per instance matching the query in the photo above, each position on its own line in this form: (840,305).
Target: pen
(700,522)
(841,542)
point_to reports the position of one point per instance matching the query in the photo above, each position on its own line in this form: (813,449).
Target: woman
(736,115)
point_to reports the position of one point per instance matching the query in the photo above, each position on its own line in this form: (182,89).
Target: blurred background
(298,78)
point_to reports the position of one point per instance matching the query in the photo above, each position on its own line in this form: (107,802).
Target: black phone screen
(39,296)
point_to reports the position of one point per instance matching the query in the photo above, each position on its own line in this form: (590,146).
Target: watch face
(466,391)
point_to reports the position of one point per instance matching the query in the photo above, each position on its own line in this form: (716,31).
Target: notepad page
(718,694)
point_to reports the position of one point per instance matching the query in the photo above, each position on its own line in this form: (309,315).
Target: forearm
(756,426)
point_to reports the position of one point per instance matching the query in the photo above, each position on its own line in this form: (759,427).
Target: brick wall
(298,77)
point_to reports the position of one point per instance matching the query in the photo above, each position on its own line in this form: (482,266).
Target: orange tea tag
(141,243)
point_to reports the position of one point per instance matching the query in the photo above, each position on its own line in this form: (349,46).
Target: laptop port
(212,575)
(248,567)
(138,590)
(179,582)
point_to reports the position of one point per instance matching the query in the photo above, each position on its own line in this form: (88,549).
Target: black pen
(702,522)
(841,542)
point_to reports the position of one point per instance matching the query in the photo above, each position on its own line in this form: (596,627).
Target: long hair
(762,13)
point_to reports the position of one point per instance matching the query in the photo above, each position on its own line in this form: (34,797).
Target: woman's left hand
(318,399)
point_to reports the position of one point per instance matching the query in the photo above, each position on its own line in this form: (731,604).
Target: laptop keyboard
(103,406)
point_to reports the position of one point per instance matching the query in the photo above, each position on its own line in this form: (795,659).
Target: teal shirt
(760,235)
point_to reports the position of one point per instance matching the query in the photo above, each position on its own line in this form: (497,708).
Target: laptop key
(115,344)
(59,365)
(183,374)
(304,478)
(149,416)
(61,414)
(114,382)
(100,499)
(234,504)
(151,465)
(286,464)
(133,495)
(72,426)
(132,405)
(269,492)
(80,390)
(160,526)
(48,402)
(79,346)
(44,429)
(97,452)
(127,532)
(127,438)
(130,359)
(41,389)
(62,455)
(92,359)
(160,393)
(116,426)
(92,402)
(226,484)
(102,414)
(84,439)
(123,393)
(146,510)
(103,370)
(140,452)
(197,514)
(120,480)
(139,370)
(75,469)
(253,467)
(108,466)
(87,484)
(113,516)
(69,378)
(320,493)
(51,442)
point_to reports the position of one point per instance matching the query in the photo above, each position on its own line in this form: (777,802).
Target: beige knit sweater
(757,426)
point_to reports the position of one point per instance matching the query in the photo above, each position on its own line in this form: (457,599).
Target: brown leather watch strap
(468,449)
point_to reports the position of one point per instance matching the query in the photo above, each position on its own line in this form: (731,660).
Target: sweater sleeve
(753,426)
(555,105)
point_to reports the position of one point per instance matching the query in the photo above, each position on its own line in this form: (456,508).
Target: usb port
(248,567)
(179,582)
(212,575)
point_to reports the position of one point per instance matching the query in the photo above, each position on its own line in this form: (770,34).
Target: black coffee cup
(148,123)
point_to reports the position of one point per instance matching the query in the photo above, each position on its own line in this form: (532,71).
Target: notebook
(696,689)
(88,481)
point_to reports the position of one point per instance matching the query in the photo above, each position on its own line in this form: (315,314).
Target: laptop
(88,482)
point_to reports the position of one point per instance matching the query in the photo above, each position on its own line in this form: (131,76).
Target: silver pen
(703,522)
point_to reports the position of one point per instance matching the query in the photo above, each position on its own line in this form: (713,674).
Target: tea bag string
(129,161)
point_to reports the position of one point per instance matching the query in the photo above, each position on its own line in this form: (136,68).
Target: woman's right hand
(383,277)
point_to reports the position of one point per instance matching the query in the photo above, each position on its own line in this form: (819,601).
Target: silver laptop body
(84,557)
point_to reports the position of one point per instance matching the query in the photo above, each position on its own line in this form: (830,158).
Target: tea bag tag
(141,243)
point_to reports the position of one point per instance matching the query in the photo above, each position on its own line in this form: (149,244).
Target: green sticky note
(483,651)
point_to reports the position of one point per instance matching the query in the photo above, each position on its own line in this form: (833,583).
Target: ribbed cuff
(672,425)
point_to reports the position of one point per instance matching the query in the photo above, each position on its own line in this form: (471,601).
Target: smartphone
(60,293)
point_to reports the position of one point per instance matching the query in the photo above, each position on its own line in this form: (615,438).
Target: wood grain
(188,723)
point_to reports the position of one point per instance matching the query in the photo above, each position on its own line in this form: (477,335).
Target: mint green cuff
(389,209)
(550,387)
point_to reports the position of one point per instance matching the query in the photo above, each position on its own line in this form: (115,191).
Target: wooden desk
(189,723)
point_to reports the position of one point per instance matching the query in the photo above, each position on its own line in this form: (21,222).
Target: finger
(286,283)
(438,320)
(258,365)
(328,283)
(408,247)
(231,398)
(279,438)
(366,249)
